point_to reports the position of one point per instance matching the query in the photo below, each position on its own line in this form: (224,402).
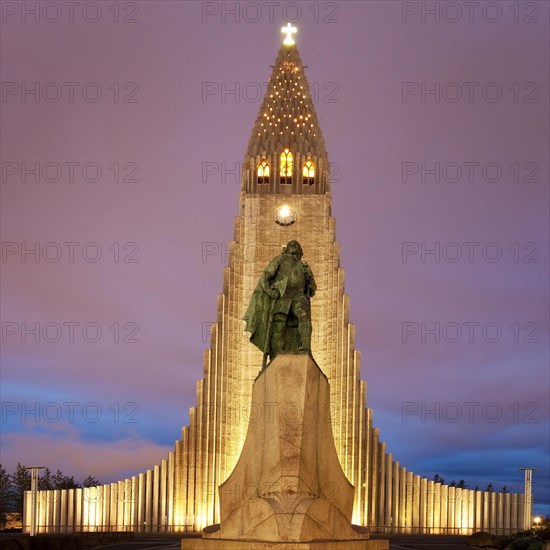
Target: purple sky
(180,90)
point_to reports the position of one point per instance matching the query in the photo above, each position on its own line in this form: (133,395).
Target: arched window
(263,171)
(286,166)
(308,172)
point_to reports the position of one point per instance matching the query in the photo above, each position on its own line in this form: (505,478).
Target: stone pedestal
(288,489)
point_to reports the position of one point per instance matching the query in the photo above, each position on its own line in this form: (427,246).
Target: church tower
(285,195)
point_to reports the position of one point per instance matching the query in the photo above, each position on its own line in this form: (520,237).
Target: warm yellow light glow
(263,171)
(537,520)
(284,211)
(289,30)
(309,169)
(286,163)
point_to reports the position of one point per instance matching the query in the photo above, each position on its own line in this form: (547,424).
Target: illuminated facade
(285,195)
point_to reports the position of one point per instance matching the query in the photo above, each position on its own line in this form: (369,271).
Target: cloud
(64,449)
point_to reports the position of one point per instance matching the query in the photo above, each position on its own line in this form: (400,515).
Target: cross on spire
(289,30)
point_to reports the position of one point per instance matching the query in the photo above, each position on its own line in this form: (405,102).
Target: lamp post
(34,491)
(528,497)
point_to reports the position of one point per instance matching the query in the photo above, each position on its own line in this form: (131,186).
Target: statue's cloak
(257,318)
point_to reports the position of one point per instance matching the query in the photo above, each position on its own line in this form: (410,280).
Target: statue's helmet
(292,247)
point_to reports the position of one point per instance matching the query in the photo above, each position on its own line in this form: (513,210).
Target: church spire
(286,152)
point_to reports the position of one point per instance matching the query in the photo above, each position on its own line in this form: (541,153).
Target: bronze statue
(279,313)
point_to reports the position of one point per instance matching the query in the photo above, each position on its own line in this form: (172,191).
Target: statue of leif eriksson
(279,313)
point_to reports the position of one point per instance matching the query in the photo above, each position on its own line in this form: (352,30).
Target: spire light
(289,30)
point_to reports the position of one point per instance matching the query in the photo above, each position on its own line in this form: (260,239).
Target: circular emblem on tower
(284,215)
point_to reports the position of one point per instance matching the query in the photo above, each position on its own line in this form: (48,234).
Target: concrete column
(199,441)
(156,499)
(191,473)
(85,518)
(374,474)
(486,505)
(70,511)
(368,466)
(444,507)
(359,463)
(514,525)
(471,511)
(163,495)
(96,494)
(185,501)
(451,507)
(113,508)
(56,512)
(382,499)
(521,512)
(42,515)
(388,506)
(148,500)
(416,505)
(500,512)
(121,506)
(402,514)
(430,503)
(170,490)
(528,498)
(506,514)
(464,516)
(50,504)
(457,522)
(478,511)
(437,509)
(409,492)
(26,520)
(395,497)
(141,504)
(423,504)
(128,497)
(78,509)
(492,513)
(135,510)
(106,505)
(63,511)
